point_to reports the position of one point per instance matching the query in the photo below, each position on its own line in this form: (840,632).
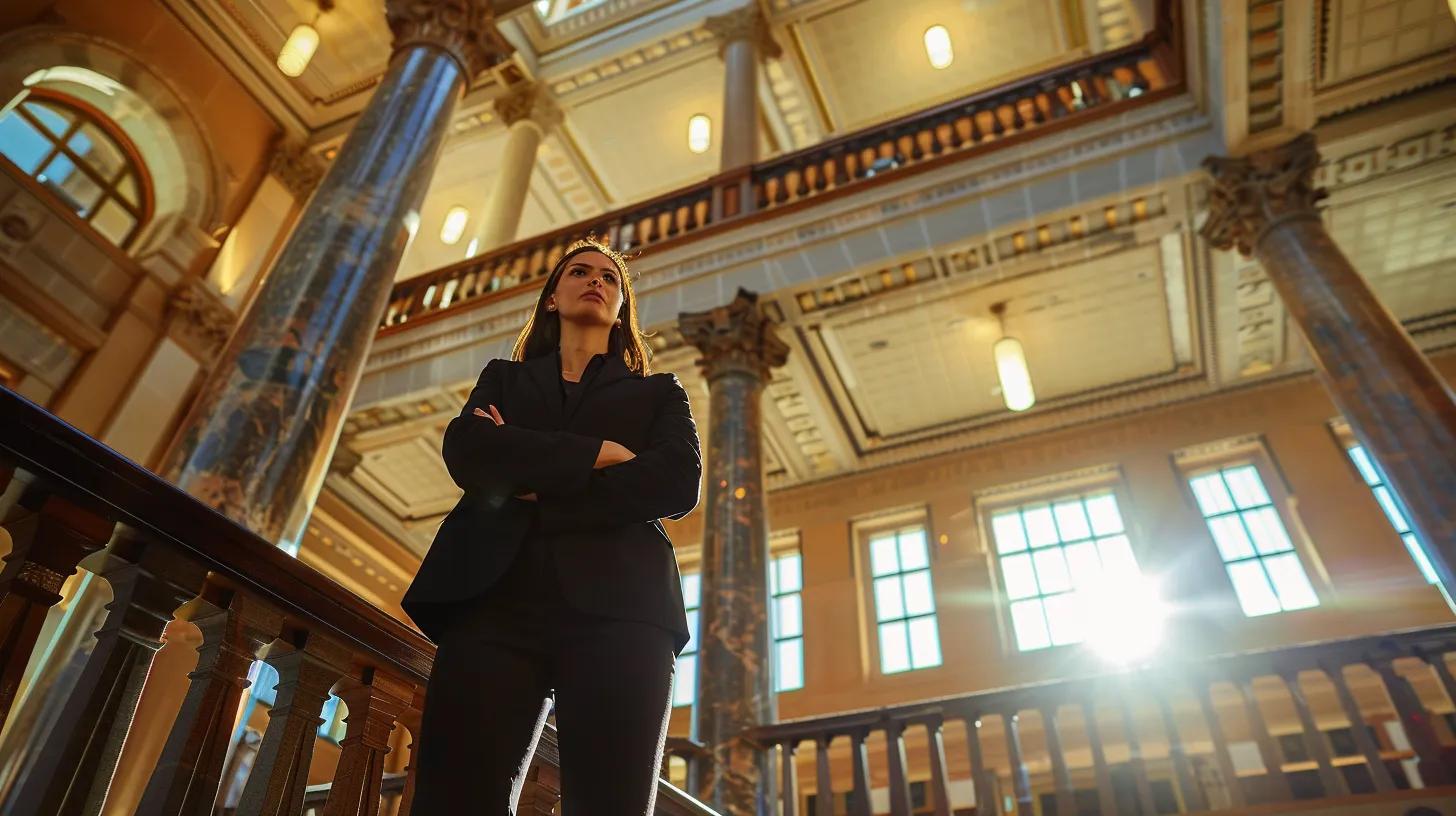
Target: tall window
(685,681)
(1261,562)
(786,620)
(904,600)
(1372,476)
(1051,553)
(82,159)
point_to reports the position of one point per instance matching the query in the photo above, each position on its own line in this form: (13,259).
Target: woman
(553,572)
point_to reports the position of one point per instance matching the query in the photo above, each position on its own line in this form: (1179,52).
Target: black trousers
(491,690)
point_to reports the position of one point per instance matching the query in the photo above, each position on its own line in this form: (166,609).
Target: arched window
(83,159)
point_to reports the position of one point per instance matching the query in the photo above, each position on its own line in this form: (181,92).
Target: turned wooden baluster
(1061,774)
(984,796)
(412,719)
(860,758)
(1221,749)
(1268,749)
(235,626)
(1378,772)
(1135,754)
(375,702)
(541,791)
(789,793)
(939,779)
(49,537)
(308,665)
(823,779)
(78,756)
(1106,796)
(1193,797)
(1020,779)
(899,790)
(1314,740)
(1416,721)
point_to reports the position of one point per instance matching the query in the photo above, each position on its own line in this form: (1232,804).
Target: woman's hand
(494,416)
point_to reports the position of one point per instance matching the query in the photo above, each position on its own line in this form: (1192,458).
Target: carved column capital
(297,168)
(746,23)
(465,29)
(198,319)
(528,103)
(734,338)
(1256,192)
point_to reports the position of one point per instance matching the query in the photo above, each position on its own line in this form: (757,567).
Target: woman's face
(589,290)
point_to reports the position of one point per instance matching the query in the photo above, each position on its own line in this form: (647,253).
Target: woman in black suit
(553,572)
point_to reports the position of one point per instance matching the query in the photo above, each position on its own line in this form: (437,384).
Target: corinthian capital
(737,337)
(1253,193)
(746,23)
(465,29)
(298,168)
(528,102)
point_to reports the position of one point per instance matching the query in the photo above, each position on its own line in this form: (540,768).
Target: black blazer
(612,556)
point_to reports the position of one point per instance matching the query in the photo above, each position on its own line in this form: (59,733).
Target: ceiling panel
(1084,327)
(1404,243)
(354,42)
(1366,36)
(408,477)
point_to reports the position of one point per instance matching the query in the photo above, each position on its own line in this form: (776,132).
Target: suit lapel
(545,372)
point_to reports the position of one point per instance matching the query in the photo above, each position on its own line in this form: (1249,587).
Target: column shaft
(740,103)
(508,197)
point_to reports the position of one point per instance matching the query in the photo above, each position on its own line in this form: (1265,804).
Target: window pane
(113,221)
(1419,555)
(1040,529)
(1228,533)
(1244,484)
(1392,510)
(1030,625)
(692,644)
(1268,530)
(691,585)
(1084,564)
(790,664)
(70,184)
(98,150)
(127,186)
(1051,570)
(894,649)
(1006,527)
(789,616)
(888,602)
(1020,579)
(1071,521)
(1255,594)
(918,597)
(684,679)
(22,144)
(791,576)
(1212,497)
(924,642)
(883,560)
(55,119)
(912,551)
(1118,563)
(1290,582)
(1106,520)
(1065,618)
(1364,465)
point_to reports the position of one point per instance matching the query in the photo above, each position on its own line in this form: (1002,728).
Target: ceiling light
(937,46)
(1011,368)
(700,133)
(454,225)
(298,49)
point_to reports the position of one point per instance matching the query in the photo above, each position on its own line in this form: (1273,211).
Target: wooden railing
(67,501)
(1175,709)
(1062,97)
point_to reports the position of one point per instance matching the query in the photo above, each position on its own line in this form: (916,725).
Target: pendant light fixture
(301,44)
(1011,368)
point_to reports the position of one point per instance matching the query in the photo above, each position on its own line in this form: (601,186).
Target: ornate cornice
(528,103)
(743,24)
(465,29)
(297,168)
(1254,193)
(736,338)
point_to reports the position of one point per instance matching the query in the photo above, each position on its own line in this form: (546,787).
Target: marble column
(529,114)
(743,38)
(266,420)
(735,681)
(1397,405)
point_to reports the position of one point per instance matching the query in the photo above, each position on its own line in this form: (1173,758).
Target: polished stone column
(735,683)
(1396,403)
(267,418)
(743,38)
(529,114)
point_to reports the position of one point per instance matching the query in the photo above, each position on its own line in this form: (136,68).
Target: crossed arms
(559,467)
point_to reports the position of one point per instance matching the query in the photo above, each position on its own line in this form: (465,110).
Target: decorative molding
(746,23)
(1080,479)
(630,61)
(198,319)
(297,168)
(1265,90)
(528,102)
(1374,162)
(735,339)
(465,29)
(1253,193)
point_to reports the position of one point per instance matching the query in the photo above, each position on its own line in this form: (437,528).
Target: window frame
(695,567)
(83,114)
(780,545)
(862,530)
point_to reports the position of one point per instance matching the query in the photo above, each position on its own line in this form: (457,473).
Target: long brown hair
(542,332)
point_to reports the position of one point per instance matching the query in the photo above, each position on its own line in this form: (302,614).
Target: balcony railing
(67,501)
(1059,98)
(1166,732)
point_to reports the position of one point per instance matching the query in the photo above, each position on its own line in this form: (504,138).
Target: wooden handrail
(988,120)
